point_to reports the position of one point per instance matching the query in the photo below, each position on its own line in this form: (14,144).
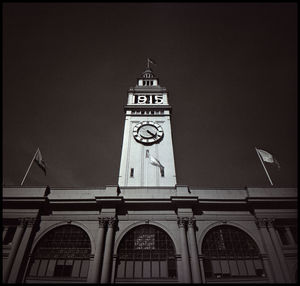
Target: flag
(151,61)
(155,162)
(39,160)
(267,157)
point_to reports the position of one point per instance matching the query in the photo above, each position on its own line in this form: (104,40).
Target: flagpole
(264,167)
(29,166)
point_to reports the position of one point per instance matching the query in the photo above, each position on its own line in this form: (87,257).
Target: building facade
(147,228)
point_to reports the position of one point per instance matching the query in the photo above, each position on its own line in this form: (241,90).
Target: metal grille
(63,252)
(229,252)
(67,242)
(146,252)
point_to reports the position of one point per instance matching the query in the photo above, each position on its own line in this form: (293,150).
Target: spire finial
(150,61)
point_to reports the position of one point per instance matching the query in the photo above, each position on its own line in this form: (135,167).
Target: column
(107,258)
(193,251)
(15,245)
(262,225)
(21,251)
(278,250)
(97,265)
(184,250)
(202,272)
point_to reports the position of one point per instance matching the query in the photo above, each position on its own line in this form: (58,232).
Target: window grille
(63,253)
(230,252)
(146,252)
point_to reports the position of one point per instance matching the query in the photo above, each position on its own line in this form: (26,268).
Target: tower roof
(148,73)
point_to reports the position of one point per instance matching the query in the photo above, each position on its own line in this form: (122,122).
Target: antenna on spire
(150,61)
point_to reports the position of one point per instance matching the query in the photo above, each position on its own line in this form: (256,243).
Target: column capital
(261,223)
(182,221)
(31,221)
(270,222)
(186,221)
(191,222)
(111,222)
(265,222)
(22,222)
(102,222)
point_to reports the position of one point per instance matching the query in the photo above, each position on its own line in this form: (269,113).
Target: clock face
(148,132)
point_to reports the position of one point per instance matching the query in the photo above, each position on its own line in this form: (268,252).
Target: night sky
(230,69)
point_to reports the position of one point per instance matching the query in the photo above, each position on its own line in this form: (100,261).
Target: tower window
(131,172)
(162,172)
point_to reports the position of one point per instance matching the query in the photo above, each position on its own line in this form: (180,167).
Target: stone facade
(185,215)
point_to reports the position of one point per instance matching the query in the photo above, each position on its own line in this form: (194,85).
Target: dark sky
(230,69)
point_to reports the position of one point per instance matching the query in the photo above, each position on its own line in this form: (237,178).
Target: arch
(58,224)
(145,252)
(132,226)
(61,252)
(234,224)
(230,252)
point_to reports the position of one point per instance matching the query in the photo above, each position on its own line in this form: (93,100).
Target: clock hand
(151,133)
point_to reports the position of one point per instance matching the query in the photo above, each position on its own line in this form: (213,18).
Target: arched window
(229,252)
(62,254)
(146,253)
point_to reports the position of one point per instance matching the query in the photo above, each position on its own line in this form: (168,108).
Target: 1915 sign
(148,99)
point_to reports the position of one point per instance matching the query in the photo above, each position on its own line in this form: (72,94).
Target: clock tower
(147,158)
